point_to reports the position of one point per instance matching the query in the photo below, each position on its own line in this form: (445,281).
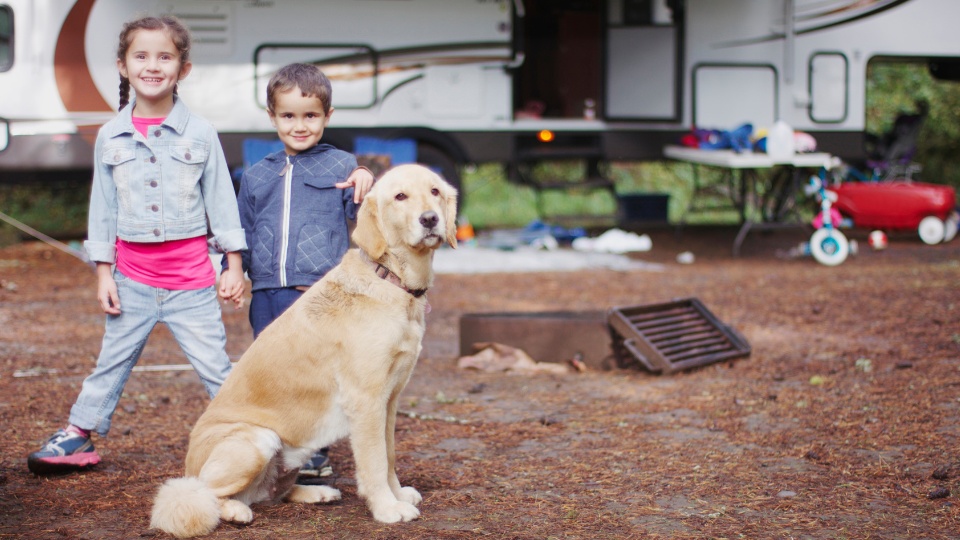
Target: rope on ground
(53,242)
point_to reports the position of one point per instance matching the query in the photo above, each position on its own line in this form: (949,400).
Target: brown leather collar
(386,274)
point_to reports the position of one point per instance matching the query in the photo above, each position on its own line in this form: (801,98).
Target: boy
(294,204)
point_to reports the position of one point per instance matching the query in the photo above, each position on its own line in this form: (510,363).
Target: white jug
(780,144)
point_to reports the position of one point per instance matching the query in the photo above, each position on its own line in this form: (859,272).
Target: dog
(333,365)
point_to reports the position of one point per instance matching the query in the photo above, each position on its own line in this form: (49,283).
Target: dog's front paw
(313,494)
(398,511)
(410,495)
(235,511)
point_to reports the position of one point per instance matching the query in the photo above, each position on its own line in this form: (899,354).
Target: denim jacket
(171,185)
(296,235)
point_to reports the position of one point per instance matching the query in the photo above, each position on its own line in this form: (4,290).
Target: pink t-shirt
(141,124)
(175,265)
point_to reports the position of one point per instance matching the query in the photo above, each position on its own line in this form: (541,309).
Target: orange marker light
(545,135)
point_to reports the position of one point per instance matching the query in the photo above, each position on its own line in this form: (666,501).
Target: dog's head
(410,205)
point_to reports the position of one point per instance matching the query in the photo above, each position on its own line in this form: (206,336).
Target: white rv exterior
(613,79)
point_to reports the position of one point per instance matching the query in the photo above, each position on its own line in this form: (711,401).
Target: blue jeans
(194,319)
(267,304)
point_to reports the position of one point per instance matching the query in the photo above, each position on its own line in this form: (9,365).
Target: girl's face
(153,66)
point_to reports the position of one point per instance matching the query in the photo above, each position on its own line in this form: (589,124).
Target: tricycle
(828,245)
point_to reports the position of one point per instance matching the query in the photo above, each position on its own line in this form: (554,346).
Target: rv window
(829,92)
(728,95)
(6,38)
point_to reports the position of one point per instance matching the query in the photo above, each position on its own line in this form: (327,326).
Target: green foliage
(58,209)
(492,201)
(679,181)
(898,87)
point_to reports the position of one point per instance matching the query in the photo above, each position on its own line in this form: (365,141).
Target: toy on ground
(828,245)
(890,205)
(877,240)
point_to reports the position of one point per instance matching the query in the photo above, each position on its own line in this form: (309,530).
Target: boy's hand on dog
(107,293)
(361,179)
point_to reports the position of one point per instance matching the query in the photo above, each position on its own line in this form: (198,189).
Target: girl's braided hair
(178,33)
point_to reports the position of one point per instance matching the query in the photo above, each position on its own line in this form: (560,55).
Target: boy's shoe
(67,450)
(317,467)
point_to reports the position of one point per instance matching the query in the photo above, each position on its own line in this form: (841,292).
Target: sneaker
(67,450)
(317,467)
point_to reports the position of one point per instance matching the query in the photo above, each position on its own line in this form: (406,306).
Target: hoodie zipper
(285,225)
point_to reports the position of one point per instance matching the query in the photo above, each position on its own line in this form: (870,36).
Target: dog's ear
(367,234)
(450,198)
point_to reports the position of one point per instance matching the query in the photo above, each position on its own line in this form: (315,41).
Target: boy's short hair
(310,80)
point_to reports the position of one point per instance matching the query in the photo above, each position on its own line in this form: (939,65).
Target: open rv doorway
(562,44)
(613,59)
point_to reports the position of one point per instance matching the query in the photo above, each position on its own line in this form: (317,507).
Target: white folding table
(765,208)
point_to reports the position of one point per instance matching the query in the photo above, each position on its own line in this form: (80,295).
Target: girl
(159,179)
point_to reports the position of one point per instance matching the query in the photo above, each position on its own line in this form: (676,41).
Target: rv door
(642,62)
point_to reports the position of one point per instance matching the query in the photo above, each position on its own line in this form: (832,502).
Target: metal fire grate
(672,336)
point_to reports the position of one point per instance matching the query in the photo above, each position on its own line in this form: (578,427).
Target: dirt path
(843,422)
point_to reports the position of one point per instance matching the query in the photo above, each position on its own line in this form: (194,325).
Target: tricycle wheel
(932,230)
(829,246)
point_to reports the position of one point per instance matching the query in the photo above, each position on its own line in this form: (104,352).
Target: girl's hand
(231,287)
(362,180)
(107,293)
(231,281)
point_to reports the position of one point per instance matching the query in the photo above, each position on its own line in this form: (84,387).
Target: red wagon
(930,209)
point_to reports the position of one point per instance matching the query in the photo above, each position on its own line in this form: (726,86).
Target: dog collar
(386,274)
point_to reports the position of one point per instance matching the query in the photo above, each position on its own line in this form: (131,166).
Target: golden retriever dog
(333,365)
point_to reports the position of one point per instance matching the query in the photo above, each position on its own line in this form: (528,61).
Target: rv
(472,81)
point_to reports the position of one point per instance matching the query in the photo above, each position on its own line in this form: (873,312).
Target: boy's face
(299,120)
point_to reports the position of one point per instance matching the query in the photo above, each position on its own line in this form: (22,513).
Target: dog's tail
(185,507)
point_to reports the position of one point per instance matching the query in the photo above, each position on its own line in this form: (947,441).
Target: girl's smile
(153,67)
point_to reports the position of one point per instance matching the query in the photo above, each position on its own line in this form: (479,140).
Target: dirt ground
(842,423)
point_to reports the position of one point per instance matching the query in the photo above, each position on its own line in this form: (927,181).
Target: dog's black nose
(429,219)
